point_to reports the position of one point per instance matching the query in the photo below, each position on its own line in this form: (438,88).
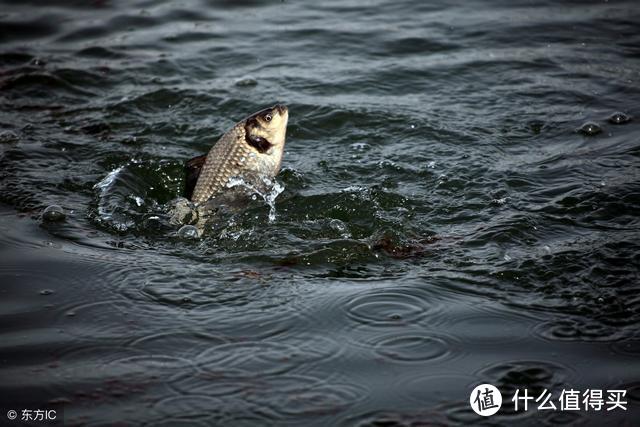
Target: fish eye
(268,117)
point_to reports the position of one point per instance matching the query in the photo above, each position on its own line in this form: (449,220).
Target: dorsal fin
(192,171)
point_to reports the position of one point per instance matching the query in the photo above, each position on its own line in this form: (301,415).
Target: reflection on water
(458,204)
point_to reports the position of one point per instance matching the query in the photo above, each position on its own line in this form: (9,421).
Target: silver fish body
(251,151)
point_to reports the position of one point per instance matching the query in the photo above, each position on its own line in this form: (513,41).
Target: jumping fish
(251,151)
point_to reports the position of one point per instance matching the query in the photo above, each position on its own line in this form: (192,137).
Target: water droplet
(53,213)
(589,129)
(188,232)
(619,118)
(500,201)
(139,200)
(271,199)
(337,225)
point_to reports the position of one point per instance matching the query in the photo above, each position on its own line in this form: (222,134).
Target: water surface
(444,221)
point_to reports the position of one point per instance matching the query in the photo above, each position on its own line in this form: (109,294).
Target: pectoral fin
(192,170)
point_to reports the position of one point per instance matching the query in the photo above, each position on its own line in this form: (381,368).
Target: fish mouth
(281,108)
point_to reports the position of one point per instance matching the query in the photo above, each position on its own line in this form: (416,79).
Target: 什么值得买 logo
(485,400)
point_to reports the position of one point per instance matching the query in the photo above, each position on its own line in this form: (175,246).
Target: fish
(251,152)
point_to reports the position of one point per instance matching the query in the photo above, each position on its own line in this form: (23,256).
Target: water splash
(108,180)
(106,211)
(272,190)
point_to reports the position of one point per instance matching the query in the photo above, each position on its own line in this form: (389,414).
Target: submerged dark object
(251,151)
(396,248)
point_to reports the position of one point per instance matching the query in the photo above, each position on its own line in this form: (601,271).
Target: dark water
(443,223)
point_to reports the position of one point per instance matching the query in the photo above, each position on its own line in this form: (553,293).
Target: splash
(106,209)
(272,190)
(108,180)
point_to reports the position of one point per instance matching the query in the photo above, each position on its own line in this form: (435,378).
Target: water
(443,220)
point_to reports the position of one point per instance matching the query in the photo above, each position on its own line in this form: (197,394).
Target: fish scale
(251,150)
(216,171)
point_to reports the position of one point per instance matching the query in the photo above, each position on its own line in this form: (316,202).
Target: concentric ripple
(295,396)
(412,346)
(387,307)
(191,407)
(578,330)
(250,358)
(535,376)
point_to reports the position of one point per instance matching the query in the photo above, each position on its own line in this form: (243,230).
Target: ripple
(435,389)
(388,307)
(489,328)
(271,397)
(535,376)
(578,329)
(96,319)
(249,358)
(237,302)
(628,346)
(304,396)
(217,384)
(156,362)
(171,350)
(91,361)
(411,347)
(192,407)
(185,342)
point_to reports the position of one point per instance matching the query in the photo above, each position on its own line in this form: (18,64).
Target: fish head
(266,130)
